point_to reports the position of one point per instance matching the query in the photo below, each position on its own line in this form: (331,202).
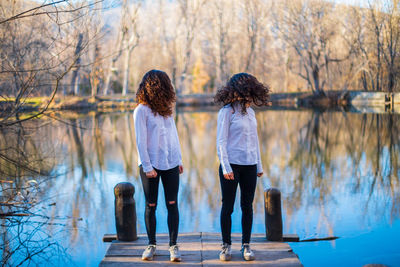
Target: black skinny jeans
(170,181)
(246,177)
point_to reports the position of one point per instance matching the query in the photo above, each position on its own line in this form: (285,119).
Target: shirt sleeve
(259,164)
(177,142)
(139,117)
(222,138)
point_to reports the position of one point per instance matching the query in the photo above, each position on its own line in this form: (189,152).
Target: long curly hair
(157,92)
(244,89)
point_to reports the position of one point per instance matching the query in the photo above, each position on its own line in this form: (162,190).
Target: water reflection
(338,172)
(29,230)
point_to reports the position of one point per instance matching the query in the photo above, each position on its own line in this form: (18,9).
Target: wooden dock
(200,249)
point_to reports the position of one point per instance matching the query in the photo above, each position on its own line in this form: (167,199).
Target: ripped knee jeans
(170,181)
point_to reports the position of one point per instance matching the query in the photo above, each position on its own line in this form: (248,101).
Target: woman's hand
(151,174)
(260,174)
(180,169)
(229,176)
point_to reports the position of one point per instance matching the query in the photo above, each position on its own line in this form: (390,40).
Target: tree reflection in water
(30,232)
(325,163)
(327,156)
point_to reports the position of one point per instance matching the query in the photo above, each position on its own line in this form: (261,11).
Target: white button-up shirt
(157,140)
(237,139)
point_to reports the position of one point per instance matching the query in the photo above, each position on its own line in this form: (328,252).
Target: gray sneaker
(247,253)
(226,253)
(149,253)
(174,253)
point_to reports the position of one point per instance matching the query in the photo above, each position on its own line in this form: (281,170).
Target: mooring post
(125,212)
(273,214)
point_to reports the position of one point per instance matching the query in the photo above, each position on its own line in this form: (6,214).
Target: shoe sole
(226,259)
(249,259)
(176,260)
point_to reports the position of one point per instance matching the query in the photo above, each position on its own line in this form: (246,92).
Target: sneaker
(174,253)
(247,253)
(149,253)
(226,253)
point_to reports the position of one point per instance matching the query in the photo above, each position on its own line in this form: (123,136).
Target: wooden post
(125,212)
(273,214)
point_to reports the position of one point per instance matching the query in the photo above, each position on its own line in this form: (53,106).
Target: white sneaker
(174,253)
(247,253)
(226,253)
(149,253)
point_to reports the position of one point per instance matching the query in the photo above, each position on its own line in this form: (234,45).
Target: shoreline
(342,100)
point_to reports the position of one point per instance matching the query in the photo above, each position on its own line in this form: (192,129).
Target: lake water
(338,173)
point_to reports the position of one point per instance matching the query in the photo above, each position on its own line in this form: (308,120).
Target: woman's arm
(222,139)
(139,117)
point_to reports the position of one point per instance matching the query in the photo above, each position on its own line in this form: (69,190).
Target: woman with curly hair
(239,154)
(159,155)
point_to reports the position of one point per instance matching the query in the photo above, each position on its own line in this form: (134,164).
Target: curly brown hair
(157,92)
(244,89)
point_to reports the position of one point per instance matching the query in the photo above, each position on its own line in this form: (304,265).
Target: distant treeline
(104,47)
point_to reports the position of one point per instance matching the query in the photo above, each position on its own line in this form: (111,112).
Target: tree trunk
(125,85)
(95,75)
(113,60)
(108,79)
(76,85)
(316,80)
(75,74)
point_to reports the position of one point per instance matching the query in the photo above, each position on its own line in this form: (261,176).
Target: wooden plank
(267,253)
(200,249)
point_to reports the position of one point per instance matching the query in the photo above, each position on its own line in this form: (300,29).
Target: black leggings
(246,177)
(170,180)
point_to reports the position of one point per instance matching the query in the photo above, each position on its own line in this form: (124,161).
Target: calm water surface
(338,173)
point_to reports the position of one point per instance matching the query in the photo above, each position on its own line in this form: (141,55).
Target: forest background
(100,47)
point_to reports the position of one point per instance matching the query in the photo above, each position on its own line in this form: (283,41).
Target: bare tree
(391,51)
(37,50)
(96,71)
(131,40)
(305,42)
(190,12)
(116,54)
(254,16)
(310,28)
(222,12)
(385,20)
(75,79)
(377,37)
